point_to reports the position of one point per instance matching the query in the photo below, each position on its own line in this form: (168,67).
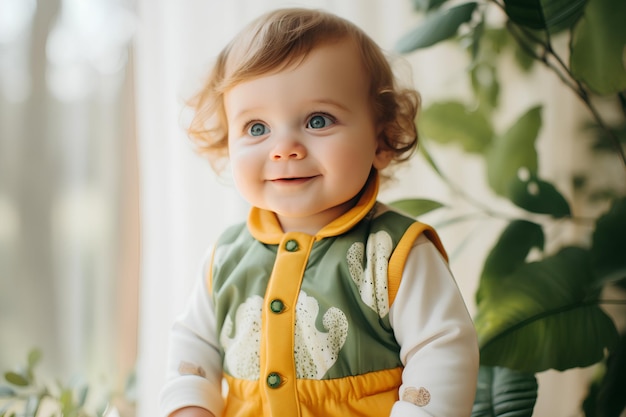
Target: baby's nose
(287,148)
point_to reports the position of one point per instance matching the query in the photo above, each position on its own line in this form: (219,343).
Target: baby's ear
(382,158)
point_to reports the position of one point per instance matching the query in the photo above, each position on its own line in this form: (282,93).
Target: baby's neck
(313,223)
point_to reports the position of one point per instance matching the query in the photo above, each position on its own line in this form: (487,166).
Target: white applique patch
(372,282)
(241,352)
(315,351)
(186,368)
(418,396)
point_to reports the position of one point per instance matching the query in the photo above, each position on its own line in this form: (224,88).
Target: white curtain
(185,206)
(68,206)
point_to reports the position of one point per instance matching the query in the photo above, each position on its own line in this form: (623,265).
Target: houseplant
(540,302)
(26,392)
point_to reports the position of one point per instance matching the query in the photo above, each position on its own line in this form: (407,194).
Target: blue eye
(258,129)
(319,121)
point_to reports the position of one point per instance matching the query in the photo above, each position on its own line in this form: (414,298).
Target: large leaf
(598,46)
(503,392)
(508,254)
(437,26)
(416,206)
(608,250)
(538,196)
(513,152)
(545,316)
(551,15)
(452,122)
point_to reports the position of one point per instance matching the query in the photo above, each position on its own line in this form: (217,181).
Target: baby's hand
(192,412)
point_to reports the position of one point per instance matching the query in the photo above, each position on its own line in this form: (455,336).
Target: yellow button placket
(278,372)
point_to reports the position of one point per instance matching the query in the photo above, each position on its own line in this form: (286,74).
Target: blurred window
(68,187)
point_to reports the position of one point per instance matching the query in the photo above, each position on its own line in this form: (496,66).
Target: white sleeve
(194,370)
(438,342)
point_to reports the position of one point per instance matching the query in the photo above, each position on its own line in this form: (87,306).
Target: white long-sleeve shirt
(429,320)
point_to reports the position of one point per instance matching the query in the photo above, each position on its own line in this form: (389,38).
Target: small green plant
(24,394)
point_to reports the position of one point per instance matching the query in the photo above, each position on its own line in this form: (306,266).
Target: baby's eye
(258,129)
(319,121)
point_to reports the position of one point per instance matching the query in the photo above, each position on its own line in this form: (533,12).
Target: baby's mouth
(293,180)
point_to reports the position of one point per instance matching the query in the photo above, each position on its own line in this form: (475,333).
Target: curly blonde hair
(281,38)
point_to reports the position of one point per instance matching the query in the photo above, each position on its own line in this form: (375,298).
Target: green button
(291,245)
(277,306)
(273,380)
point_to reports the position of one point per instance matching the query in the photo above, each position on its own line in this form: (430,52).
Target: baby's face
(302,141)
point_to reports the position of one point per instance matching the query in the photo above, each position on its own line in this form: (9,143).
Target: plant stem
(458,190)
(484,209)
(613,302)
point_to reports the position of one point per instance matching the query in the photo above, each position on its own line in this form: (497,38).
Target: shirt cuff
(406,409)
(190,391)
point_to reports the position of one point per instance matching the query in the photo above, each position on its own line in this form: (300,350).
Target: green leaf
(34,356)
(474,39)
(523,59)
(6,391)
(452,122)
(498,39)
(538,196)
(485,84)
(426,5)
(514,151)
(508,254)
(431,162)
(504,392)
(598,47)
(551,15)
(32,405)
(608,250)
(416,206)
(102,409)
(130,388)
(82,395)
(66,400)
(545,316)
(16,379)
(5,407)
(437,26)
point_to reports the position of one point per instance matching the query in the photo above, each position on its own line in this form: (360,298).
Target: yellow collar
(265,227)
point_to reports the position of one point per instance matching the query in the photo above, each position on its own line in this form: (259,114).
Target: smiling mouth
(293,180)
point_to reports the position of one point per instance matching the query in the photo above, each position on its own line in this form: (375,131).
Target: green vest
(342,314)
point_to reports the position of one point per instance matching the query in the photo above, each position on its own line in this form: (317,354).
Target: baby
(325,302)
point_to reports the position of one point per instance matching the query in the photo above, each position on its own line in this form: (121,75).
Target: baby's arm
(194,378)
(437,339)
